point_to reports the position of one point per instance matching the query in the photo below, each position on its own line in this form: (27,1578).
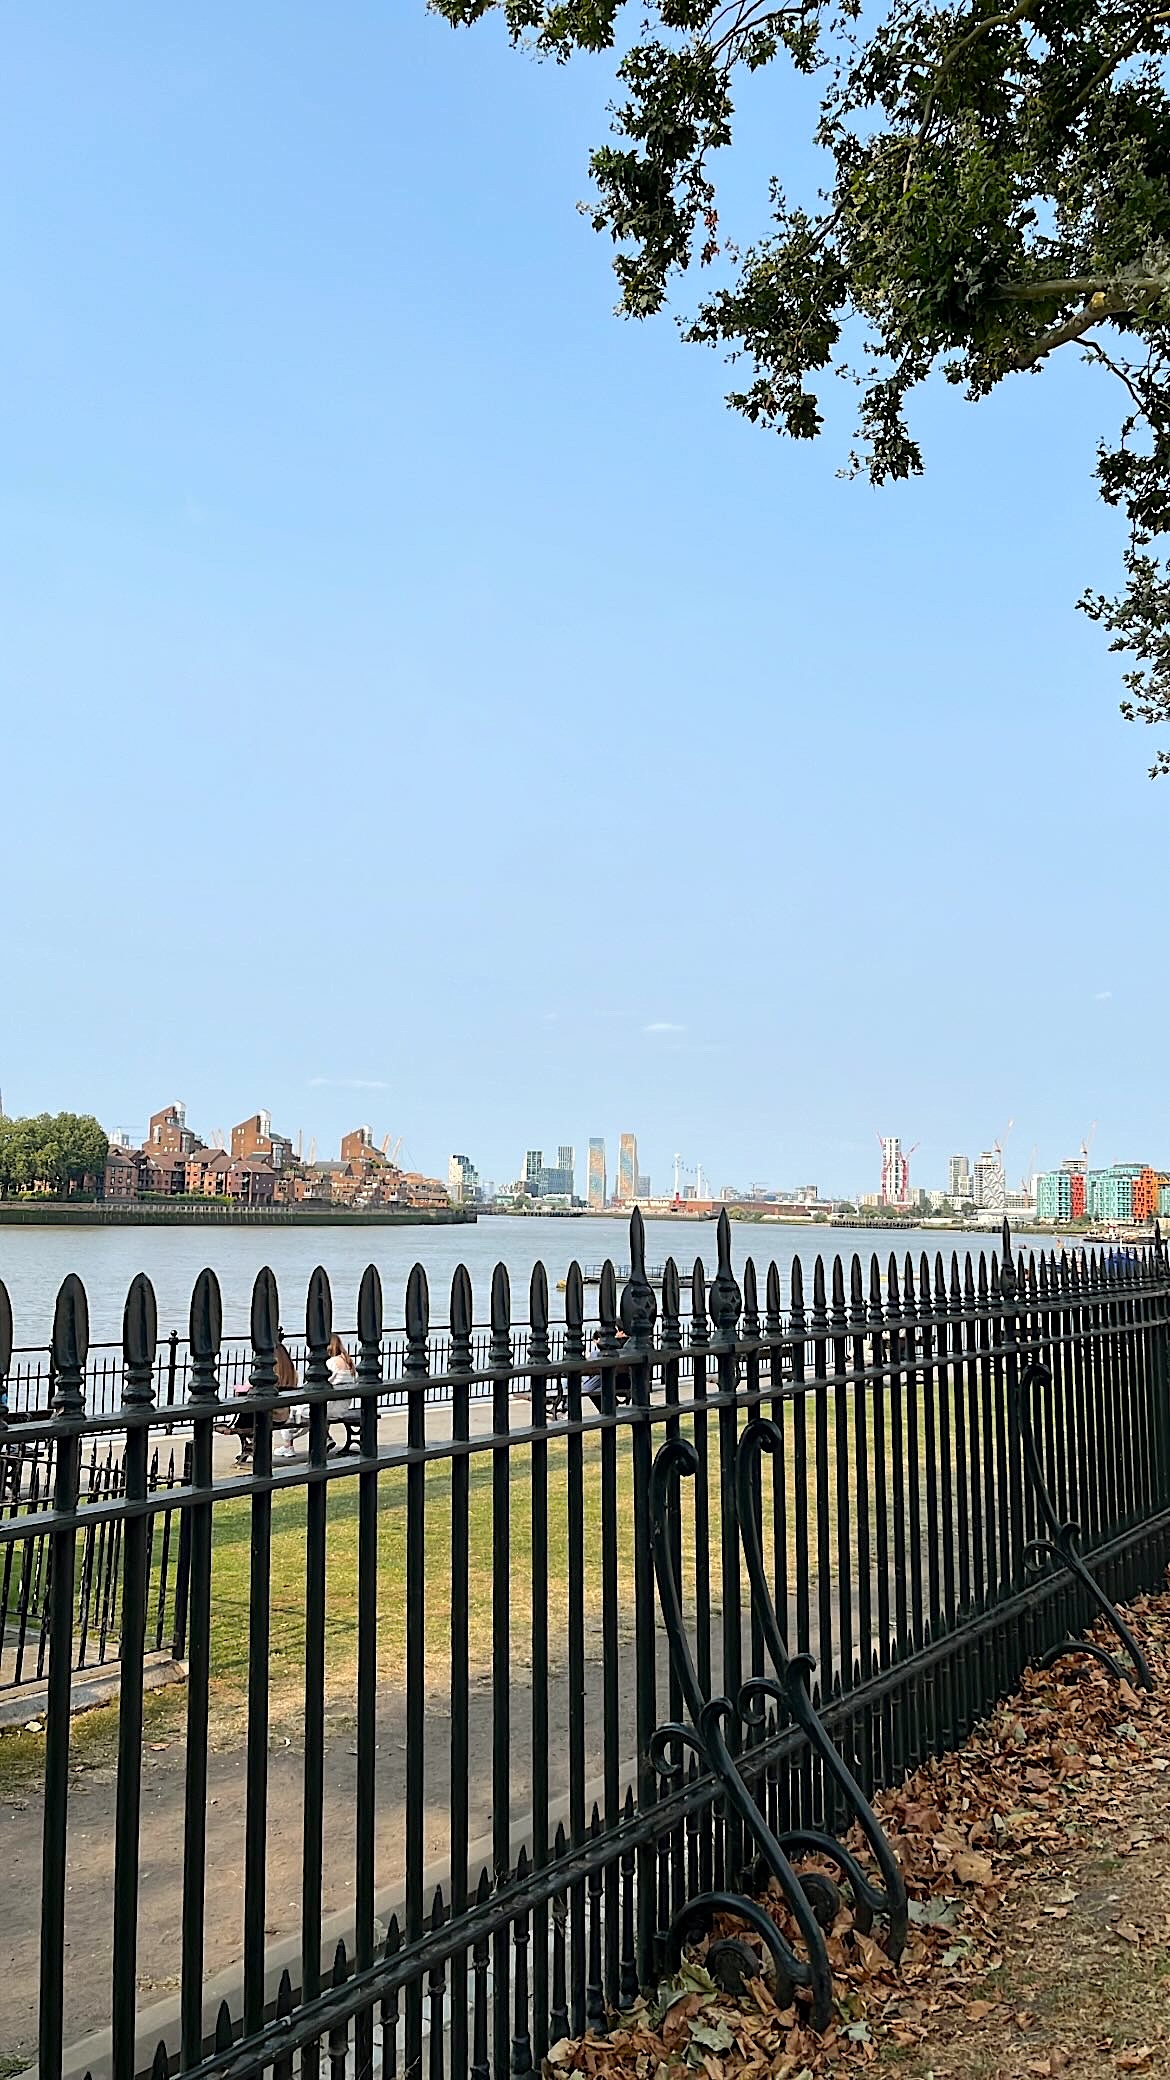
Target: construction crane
(312,1151)
(1026,1181)
(1087,1144)
(677,1170)
(997,1147)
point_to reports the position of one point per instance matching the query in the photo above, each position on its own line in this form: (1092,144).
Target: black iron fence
(29,1386)
(487,1849)
(27,1483)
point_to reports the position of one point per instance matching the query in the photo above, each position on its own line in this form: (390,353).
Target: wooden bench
(347,1420)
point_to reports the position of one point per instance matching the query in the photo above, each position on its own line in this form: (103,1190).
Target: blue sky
(424,703)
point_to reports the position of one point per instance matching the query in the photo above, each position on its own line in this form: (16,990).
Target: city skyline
(431,1156)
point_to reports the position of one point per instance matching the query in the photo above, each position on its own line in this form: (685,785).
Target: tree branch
(1126,50)
(1059,289)
(1072,328)
(750,14)
(1141,404)
(949,58)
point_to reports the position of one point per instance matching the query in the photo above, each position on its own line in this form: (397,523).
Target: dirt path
(92,1797)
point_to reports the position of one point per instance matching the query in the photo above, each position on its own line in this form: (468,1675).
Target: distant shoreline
(188,1214)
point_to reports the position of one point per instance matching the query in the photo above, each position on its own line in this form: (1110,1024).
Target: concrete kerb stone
(91,1687)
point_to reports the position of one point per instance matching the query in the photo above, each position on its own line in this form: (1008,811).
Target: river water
(33,1262)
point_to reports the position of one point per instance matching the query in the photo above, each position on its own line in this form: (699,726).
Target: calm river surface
(33,1262)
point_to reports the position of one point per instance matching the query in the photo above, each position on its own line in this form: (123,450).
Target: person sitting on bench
(296,1418)
(340,1367)
(592,1388)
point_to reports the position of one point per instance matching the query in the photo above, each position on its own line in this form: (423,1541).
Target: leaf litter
(1039,1942)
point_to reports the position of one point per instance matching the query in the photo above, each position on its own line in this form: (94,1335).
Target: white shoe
(284,1451)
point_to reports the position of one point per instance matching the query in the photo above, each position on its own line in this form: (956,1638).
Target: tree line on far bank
(54,1151)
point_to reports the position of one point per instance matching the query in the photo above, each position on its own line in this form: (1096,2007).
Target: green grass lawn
(232,1539)
(231,1556)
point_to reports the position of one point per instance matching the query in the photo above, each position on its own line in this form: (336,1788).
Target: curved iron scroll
(706,1737)
(1062,1545)
(792,1690)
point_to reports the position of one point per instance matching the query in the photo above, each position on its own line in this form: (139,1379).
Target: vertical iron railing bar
(610,1672)
(501,1355)
(1010,1321)
(839,1324)
(671,1347)
(699,1346)
(753,1398)
(459,1364)
(260,1400)
(819,1325)
(369,1380)
(975,1287)
(318,1337)
(1133,1346)
(139,1341)
(1097,1515)
(534,2041)
(901,1316)
(724,1304)
(639,1313)
(416,1362)
(575,1543)
(798,1403)
(70,1342)
(863,1557)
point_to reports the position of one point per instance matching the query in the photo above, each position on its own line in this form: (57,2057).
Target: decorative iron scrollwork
(729,1960)
(792,1691)
(1062,1545)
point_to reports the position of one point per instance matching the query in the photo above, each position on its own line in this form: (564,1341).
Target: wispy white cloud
(348,1083)
(1102,996)
(663,1025)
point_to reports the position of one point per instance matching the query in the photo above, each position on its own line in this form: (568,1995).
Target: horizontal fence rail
(456,1627)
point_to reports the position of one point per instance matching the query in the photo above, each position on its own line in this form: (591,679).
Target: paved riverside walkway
(391,1431)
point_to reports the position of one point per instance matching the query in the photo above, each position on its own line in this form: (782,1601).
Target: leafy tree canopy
(997,189)
(55,1150)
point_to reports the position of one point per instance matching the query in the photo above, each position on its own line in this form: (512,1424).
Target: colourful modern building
(1147,1186)
(627,1177)
(1054,1196)
(894,1189)
(595,1187)
(1109,1193)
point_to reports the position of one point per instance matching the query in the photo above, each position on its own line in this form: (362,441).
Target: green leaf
(713,2035)
(934,1913)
